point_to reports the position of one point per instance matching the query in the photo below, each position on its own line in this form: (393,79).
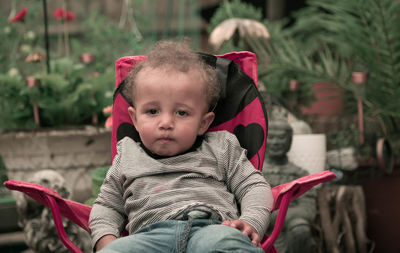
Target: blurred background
(333,65)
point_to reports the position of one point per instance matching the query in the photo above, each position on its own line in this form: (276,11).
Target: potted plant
(331,42)
(52,97)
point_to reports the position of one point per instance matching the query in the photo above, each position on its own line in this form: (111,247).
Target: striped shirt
(144,190)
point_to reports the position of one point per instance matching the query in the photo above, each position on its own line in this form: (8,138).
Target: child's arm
(251,190)
(102,242)
(107,217)
(246,229)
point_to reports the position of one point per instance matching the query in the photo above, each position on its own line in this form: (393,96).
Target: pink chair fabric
(79,213)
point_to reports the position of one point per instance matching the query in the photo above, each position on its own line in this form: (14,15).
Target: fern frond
(333,38)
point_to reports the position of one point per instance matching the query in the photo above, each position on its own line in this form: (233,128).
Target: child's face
(170,110)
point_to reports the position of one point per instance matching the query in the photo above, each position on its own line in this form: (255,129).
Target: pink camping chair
(240,111)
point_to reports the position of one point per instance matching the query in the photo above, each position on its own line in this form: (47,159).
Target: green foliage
(19,39)
(346,136)
(333,38)
(74,92)
(107,41)
(98,176)
(327,42)
(70,95)
(66,101)
(15,111)
(290,59)
(4,192)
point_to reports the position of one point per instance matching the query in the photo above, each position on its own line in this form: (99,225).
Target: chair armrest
(287,192)
(74,211)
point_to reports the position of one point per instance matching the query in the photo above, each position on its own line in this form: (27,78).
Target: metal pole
(360,78)
(46,37)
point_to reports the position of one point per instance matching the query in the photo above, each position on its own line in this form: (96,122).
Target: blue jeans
(175,236)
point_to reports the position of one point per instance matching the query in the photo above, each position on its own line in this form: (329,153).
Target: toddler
(180,189)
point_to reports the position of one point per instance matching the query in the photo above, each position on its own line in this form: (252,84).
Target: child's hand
(103,241)
(245,228)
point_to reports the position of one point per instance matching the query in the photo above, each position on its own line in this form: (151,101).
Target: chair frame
(79,213)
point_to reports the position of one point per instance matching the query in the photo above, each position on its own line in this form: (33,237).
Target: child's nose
(166,121)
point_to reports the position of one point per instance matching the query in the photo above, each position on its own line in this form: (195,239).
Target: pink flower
(109,121)
(63,14)
(20,16)
(108,110)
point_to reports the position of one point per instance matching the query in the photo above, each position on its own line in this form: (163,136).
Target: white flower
(26,49)
(30,35)
(108,94)
(13,72)
(7,30)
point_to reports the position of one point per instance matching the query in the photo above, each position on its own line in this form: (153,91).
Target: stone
(74,153)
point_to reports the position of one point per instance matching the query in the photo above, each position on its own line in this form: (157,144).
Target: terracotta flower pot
(328,100)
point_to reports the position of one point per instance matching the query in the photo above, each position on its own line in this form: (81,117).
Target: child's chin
(166,153)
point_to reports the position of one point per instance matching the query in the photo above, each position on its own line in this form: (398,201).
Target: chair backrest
(240,109)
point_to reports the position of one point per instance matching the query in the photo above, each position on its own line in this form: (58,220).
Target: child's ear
(132,114)
(206,122)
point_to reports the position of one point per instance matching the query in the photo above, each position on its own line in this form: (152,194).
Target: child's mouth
(165,140)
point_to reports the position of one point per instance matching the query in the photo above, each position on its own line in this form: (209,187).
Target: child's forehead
(170,70)
(168,76)
(145,74)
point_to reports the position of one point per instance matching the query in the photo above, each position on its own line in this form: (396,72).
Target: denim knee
(220,238)
(153,238)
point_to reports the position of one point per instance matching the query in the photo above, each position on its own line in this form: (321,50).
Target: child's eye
(182,113)
(151,111)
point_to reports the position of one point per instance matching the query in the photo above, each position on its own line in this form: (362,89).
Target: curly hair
(175,56)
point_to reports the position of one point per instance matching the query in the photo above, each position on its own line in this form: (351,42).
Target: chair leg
(279,221)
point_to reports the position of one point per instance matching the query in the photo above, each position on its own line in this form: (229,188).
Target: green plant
(98,176)
(15,111)
(347,136)
(327,42)
(341,37)
(332,39)
(107,41)
(70,92)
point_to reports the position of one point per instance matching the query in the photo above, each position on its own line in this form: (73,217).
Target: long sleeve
(107,215)
(249,187)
